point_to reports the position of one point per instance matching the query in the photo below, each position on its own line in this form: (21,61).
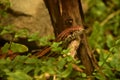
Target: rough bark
(68,13)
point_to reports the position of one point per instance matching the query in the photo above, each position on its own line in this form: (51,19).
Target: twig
(77,68)
(109,17)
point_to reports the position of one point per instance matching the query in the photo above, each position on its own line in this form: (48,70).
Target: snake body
(67,35)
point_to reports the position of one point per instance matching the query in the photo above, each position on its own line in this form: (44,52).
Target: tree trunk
(68,13)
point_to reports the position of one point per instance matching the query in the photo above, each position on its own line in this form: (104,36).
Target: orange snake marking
(67,31)
(64,34)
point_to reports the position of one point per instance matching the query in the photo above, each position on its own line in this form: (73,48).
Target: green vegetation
(103,35)
(4,5)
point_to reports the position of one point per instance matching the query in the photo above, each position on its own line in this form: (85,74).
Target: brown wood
(64,14)
(68,13)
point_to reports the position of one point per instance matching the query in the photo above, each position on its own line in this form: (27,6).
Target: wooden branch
(64,14)
(68,13)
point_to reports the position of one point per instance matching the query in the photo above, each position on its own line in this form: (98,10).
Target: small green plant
(15,47)
(4,5)
(24,67)
(104,40)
